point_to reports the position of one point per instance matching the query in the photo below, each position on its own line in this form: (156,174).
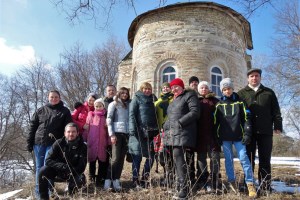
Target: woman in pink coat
(97,141)
(80,113)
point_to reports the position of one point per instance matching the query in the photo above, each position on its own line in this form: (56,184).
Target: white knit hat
(100,100)
(226,83)
(204,83)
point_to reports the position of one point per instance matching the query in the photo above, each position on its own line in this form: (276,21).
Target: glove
(246,140)
(29,148)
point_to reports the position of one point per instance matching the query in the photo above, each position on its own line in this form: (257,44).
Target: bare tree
(105,60)
(74,75)
(282,69)
(286,46)
(249,7)
(13,156)
(21,95)
(101,11)
(81,72)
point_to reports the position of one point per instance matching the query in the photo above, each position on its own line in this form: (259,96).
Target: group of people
(171,129)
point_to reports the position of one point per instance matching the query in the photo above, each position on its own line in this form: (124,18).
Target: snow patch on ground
(9,194)
(281,187)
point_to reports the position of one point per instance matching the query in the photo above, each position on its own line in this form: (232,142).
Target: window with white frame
(216,77)
(168,73)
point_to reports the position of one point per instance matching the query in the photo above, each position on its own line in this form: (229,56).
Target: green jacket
(264,107)
(161,106)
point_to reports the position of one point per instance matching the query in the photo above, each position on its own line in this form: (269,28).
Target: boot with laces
(252,190)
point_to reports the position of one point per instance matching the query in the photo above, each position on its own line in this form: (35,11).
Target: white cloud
(12,55)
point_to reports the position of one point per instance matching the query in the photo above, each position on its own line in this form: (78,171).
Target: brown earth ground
(155,191)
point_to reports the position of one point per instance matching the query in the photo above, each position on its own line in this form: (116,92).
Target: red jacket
(80,114)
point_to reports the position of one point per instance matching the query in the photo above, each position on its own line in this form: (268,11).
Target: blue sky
(35,28)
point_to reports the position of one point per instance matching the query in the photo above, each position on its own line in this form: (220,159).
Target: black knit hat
(193,78)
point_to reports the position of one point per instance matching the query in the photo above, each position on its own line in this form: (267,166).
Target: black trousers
(264,145)
(102,171)
(181,165)
(190,159)
(118,153)
(48,174)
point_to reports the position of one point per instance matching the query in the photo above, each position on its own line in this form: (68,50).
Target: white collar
(254,88)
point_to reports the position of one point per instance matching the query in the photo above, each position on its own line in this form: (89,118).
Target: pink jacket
(80,114)
(97,138)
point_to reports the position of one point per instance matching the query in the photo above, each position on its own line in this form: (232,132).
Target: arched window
(168,74)
(216,77)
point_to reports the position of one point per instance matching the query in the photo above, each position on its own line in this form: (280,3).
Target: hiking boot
(252,190)
(232,187)
(117,186)
(107,184)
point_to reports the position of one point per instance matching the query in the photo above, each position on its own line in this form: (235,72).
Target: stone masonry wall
(195,38)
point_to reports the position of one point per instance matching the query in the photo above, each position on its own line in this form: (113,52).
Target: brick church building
(202,39)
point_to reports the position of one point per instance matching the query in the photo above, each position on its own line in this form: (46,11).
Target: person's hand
(277,132)
(246,140)
(86,126)
(113,139)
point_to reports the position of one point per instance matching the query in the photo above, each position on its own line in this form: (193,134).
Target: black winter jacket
(264,108)
(181,125)
(232,119)
(48,119)
(65,155)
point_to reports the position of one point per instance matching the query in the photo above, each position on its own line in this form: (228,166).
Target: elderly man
(66,160)
(266,117)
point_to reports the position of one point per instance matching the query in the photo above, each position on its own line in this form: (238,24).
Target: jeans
(136,163)
(244,160)
(40,153)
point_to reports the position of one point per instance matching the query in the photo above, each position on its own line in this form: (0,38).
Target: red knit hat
(177,81)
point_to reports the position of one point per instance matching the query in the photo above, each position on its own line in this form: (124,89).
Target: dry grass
(282,173)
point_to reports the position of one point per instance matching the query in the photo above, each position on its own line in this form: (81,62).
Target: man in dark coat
(67,160)
(181,131)
(49,119)
(263,105)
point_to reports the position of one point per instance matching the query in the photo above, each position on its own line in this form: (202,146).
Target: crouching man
(66,160)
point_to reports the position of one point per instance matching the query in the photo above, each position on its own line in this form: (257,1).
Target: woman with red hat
(181,131)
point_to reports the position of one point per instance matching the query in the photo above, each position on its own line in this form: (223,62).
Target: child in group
(97,141)
(233,127)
